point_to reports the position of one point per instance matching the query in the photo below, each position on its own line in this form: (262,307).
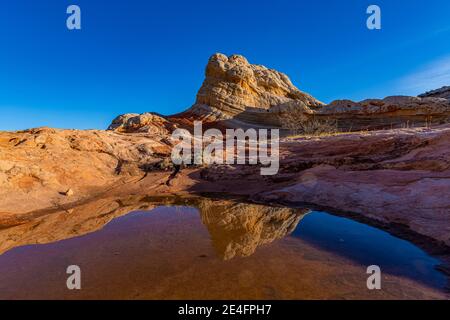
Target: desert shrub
(299,123)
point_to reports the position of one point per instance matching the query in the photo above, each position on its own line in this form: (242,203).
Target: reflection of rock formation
(237,229)
(63,224)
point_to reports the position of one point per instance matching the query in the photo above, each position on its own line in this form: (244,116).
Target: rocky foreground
(398,177)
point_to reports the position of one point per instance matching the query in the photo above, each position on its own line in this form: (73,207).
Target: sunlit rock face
(238,229)
(240,94)
(38,165)
(232,86)
(146,123)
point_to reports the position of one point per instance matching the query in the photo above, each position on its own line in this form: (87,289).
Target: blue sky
(139,55)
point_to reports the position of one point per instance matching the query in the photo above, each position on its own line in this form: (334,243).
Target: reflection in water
(236,229)
(71,223)
(367,246)
(198,248)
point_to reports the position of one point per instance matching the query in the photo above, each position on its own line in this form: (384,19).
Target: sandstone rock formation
(399,177)
(233,86)
(38,166)
(237,94)
(391,112)
(149,122)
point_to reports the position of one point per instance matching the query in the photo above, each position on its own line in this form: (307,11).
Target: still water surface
(207,249)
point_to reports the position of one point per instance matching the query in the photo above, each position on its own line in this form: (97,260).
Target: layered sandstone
(391,112)
(396,177)
(38,166)
(233,86)
(236,93)
(239,94)
(148,122)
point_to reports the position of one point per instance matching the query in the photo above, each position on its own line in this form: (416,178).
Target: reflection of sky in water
(359,242)
(369,246)
(182,241)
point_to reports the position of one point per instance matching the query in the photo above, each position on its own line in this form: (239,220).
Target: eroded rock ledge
(38,166)
(396,177)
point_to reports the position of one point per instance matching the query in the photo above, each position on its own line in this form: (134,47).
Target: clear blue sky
(141,55)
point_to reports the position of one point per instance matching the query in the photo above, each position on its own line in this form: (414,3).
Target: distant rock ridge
(390,112)
(443,92)
(407,105)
